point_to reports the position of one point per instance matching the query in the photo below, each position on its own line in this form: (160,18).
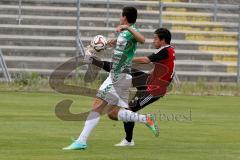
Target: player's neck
(128,24)
(164,45)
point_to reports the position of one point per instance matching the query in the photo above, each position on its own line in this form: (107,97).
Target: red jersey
(163,72)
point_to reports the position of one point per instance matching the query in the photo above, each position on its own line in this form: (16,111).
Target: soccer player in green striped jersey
(112,96)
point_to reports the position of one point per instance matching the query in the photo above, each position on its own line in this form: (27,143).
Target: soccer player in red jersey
(150,87)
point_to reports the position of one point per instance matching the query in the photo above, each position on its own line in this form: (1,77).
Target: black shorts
(142,97)
(139,78)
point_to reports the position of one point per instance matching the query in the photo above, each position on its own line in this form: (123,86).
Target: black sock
(128,126)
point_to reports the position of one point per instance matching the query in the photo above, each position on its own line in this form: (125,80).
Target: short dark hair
(164,33)
(130,13)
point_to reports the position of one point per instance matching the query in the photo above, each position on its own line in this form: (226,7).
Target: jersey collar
(158,50)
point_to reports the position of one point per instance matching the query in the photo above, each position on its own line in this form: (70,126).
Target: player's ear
(124,18)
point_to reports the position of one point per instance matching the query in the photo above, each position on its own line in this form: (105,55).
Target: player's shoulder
(127,34)
(134,27)
(166,49)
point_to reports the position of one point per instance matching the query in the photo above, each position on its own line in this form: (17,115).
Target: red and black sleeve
(161,55)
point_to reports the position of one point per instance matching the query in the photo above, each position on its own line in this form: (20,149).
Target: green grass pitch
(29,130)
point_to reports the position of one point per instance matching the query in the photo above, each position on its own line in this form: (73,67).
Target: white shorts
(116,93)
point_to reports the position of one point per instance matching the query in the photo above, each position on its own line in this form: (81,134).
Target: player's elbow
(142,40)
(145,60)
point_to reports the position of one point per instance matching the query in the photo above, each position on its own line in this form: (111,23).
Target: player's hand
(112,42)
(121,28)
(88,56)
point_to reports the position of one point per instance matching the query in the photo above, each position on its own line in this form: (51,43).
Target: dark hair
(164,33)
(130,13)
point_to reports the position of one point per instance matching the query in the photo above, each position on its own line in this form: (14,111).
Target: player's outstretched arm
(107,66)
(141,60)
(138,36)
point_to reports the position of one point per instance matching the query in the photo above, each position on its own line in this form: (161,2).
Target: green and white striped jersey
(123,54)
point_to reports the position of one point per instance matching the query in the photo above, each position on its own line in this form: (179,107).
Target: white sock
(92,120)
(129,116)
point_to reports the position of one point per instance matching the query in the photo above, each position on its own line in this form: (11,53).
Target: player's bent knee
(112,116)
